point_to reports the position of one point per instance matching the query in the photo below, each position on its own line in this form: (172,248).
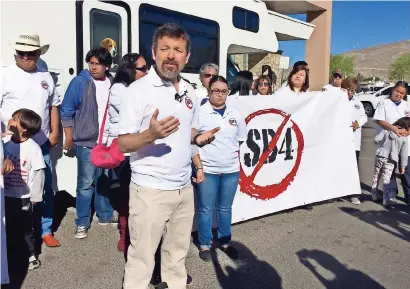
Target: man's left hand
(207,137)
(53,139)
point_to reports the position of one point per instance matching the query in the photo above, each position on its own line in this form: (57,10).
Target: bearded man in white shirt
(24,84)
(158,123)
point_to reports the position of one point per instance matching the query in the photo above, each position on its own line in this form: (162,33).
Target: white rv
(217,30)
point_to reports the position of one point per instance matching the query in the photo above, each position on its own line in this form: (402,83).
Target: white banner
(299,151)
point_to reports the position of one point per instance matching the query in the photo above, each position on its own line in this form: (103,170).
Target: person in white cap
(24,84)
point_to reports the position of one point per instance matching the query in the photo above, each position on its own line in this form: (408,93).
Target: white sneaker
(81,232)
(355,201)
(33,263)
(386,202)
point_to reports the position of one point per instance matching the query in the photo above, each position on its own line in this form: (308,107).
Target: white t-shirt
(221,156)
(30,90)
(329,86)
(359,115)
(27,158)
(388,111)
(201,93)
(166,163)
(102,89)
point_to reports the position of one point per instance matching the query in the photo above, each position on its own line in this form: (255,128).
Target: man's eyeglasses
(142,68)
(27,53)
(208,75)
(217,91)
(260,84)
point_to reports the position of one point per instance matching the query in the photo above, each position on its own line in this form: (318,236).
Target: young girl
(390,147)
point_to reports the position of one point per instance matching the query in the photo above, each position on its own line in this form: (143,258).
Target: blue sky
(357,25)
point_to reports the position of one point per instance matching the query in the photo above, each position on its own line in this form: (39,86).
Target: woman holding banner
(387,112)
(298,81)
(220,161)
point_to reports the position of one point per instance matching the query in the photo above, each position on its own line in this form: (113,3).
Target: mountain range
(376,60)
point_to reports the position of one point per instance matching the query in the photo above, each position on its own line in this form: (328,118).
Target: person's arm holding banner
(361,121)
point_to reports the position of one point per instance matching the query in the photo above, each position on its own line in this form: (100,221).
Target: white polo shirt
(30,90)
(358,114)
(166,163)
(388,111)
(221,156)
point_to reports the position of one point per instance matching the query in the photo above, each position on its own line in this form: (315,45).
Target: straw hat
(29,42)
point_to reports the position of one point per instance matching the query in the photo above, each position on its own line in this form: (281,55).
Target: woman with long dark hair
(242,84)
(133,67)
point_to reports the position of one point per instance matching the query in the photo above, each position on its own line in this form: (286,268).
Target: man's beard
(170,73)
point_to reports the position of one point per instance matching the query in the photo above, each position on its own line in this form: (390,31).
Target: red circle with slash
(247,184)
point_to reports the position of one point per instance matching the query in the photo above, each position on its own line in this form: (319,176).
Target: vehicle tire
(368,108)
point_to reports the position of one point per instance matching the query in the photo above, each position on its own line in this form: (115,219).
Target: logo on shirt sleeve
(406,113)
(233,122)
(188,102)
(356,106)
(44,84)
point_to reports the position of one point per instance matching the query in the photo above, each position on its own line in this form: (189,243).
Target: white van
(217,30)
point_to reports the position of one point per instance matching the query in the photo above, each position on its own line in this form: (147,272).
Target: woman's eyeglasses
(208,75)
(260,84)
(217,91)
(142,68)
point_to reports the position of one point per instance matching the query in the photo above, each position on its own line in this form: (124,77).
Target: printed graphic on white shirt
(26,158)
(30,90)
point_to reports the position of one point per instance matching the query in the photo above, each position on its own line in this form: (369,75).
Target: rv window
(245,19)
(204,34)
(105,24)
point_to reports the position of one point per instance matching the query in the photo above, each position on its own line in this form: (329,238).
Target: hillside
(376,60)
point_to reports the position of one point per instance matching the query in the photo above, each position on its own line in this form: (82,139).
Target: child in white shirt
(390,149)
(23,186)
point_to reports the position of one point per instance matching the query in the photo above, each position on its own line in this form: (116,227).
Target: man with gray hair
(205,73)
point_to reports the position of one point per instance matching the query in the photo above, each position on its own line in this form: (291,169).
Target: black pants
(19,225)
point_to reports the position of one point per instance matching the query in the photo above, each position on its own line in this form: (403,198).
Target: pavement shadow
(62,201)
(343,277)
(17,259)
(249,272)
(390,221)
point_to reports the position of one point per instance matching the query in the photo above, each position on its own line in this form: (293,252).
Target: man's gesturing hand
(162,128)
(206,137)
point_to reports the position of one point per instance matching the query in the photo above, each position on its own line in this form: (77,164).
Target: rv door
(106,24)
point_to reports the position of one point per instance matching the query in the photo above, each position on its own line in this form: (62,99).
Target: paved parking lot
(333,245)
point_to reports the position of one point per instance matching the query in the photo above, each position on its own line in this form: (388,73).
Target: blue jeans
(391,189)
(87,186)
(216,190)
(46,207)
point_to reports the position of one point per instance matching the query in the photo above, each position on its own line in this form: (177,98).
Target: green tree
(400,69)
(342,62)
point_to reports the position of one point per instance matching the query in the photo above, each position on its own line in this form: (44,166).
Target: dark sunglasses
(142,68)
(208,75)
(263,84)
(28,53)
